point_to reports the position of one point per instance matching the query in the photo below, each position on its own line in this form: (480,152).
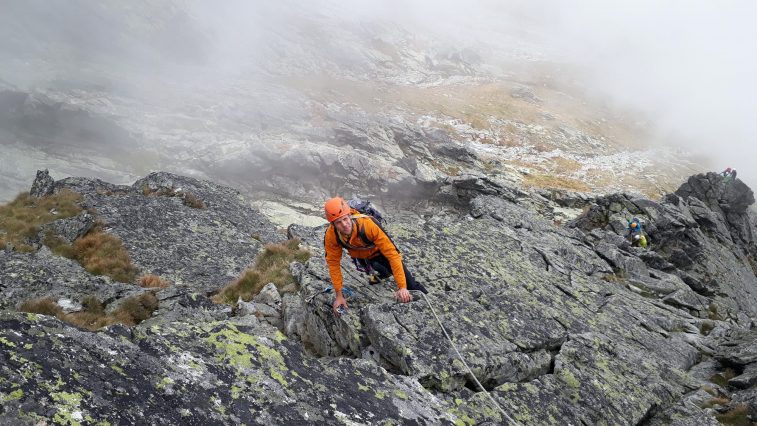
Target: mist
(685,67)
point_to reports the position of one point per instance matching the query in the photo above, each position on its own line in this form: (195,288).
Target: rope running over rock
(463,360)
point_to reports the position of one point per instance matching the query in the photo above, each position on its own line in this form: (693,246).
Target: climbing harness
(363,265)
(460,357)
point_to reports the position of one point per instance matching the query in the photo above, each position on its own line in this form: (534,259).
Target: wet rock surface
(558,323)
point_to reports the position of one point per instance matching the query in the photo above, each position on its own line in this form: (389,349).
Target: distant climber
(635,234)
(728,174)
(363,238)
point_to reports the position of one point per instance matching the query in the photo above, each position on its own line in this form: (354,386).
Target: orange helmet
(633,225)
(336,208)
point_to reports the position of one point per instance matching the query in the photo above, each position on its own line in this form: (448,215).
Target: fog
(690,65)
(687,67)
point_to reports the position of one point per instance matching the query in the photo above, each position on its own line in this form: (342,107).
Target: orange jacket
(382,245)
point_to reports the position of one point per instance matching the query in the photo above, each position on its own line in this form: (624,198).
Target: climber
(729,174)
(633,227)
(635,234)
(363,238)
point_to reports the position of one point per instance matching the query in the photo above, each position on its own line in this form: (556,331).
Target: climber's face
(344,225)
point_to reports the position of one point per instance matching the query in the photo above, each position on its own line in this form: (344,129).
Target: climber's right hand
(338,302)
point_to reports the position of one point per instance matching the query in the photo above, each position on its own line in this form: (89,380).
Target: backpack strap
(361,234)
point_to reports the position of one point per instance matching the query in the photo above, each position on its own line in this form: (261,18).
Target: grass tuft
(101,253)
(614,277)
(738,416)
(43,306)
(98,252)
(21,219)
(271,266)
(152,281)
(191,200)
(717,401)
(131,311)
(136,309)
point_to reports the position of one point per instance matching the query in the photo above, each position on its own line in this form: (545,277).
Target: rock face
(703,234)
(43,184)
(560,324)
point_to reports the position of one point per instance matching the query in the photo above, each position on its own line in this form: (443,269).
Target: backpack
(365,207)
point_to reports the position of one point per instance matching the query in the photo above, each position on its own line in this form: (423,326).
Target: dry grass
(98,252)
(152,281)
(134,310)
(476,103)
(271,266)
(101,253)
(566,165)
(43,306)
(21,218)
(190,200)
(715,401)
(473,104)
(738,416)
(614,278)
(92,317)
(555,182)
(706,327)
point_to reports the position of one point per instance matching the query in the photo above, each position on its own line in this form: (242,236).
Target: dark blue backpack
(365,207)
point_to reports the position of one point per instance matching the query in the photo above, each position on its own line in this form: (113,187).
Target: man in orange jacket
(364,239)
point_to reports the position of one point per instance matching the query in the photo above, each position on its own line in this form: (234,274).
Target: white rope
(463,361)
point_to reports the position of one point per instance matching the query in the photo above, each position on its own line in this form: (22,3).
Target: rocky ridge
(559,320)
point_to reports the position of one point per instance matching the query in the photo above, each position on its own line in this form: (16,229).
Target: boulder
(43,185)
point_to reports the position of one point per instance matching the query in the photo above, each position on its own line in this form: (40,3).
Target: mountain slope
(557,322)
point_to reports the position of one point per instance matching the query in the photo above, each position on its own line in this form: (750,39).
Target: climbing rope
(460,357)
(346,292)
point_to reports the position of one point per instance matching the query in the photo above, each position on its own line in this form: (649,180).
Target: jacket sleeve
(388,249)
(333,258)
